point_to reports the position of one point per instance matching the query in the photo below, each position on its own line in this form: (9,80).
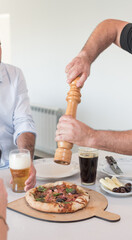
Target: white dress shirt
(15,113)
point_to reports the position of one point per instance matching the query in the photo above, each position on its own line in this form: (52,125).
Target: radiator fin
(46,120)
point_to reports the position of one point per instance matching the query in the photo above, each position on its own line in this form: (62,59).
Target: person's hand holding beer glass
(20,166)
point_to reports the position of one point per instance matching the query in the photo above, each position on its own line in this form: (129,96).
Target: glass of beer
(88,159)
(19,162)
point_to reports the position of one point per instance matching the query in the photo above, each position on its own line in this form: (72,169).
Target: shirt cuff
(24,128)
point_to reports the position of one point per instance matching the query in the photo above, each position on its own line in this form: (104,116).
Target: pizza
(57,197)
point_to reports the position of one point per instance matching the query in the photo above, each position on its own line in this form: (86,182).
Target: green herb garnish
(57,194)
(69,190)
(41,189)
(40,199)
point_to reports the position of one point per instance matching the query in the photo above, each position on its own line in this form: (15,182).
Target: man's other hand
(79,66)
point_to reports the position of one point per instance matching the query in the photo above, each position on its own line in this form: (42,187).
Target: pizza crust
(79,203)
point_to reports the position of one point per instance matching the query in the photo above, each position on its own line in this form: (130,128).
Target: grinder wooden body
(63,152)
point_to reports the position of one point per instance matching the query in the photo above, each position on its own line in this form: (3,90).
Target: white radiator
(46,120)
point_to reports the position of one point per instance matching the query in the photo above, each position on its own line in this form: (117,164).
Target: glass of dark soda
(88,160)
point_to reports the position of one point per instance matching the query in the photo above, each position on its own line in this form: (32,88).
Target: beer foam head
(19,161)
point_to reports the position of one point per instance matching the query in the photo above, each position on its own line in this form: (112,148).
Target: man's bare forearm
(113,141)
(71,130)
(106,33)
(27,141)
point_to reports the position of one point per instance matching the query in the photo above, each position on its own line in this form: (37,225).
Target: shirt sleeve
(22,118)
(126,38)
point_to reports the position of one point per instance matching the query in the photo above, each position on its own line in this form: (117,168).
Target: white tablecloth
(25,228)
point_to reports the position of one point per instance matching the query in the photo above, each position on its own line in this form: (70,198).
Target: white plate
(48,169)
(117,194)
(124,163)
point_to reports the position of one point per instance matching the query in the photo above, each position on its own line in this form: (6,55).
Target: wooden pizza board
(95,208)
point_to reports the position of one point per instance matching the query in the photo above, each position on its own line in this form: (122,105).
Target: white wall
(5,36)
(47,34)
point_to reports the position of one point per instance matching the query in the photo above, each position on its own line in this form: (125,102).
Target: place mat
(95,208)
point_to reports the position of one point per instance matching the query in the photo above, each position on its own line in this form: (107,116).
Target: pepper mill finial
(63,152)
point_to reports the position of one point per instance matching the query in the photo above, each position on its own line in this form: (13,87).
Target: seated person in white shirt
(3,204)
(17,128)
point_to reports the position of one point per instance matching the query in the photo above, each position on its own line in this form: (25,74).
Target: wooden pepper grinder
(63,152)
